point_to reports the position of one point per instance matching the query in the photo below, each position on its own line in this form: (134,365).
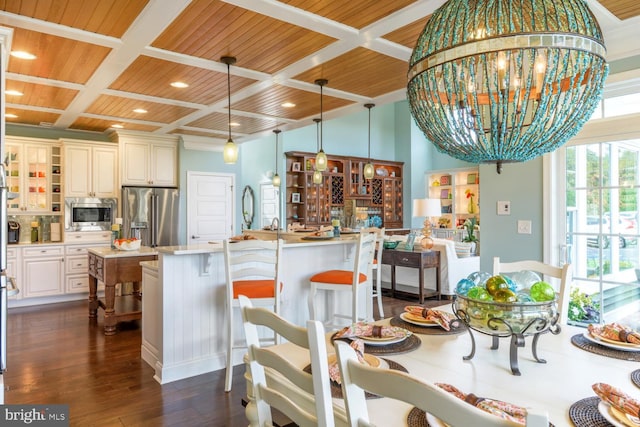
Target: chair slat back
(562,274)
(255,260)
(379,232)
(358,378)
(364,256)
(293,404)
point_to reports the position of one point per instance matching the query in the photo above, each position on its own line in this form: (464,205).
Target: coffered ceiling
(99,60)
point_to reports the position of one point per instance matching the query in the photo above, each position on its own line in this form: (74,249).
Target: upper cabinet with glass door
(29,177)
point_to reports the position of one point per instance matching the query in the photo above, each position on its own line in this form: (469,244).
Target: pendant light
(317,175)
(321,157)
(506,80)
(276,178)
(230,153)
(368,168)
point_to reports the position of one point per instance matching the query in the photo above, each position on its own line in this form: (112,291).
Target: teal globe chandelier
(498,81)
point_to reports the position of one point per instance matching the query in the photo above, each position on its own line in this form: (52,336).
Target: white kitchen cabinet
(30,176)
(91,169)
(13,269)
(148,160)
(43,271)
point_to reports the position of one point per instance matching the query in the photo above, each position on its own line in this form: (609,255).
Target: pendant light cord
(321,116)
(369,143)
(229,97)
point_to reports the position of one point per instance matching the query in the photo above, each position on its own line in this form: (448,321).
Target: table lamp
(426,208)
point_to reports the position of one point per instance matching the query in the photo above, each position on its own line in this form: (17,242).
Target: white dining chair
(562,275)
(376,288)
(358,378)
(263,395)
(354,281)
(252,269)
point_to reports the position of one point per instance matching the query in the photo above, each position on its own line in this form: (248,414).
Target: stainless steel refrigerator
(151,214)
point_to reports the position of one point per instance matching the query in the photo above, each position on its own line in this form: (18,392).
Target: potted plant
(469,226)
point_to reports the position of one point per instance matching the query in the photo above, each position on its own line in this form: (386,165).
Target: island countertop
(107,252)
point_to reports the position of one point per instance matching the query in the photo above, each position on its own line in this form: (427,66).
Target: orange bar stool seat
(354,282)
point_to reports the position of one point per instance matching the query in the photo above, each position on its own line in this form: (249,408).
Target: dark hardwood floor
(57,355)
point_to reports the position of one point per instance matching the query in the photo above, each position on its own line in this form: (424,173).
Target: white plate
(386,340)
(425,324)
(603,408)
(435,422)
(593,339)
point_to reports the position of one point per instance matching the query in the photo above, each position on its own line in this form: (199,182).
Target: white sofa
(452,268)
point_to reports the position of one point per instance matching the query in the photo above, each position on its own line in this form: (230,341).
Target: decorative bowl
(390,244)
(127,244)
(504,319)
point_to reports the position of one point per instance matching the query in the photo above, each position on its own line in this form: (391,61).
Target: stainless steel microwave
(89,214)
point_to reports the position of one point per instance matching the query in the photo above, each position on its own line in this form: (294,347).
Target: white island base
(183,302)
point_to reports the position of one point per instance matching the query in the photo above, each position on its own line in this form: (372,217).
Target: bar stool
(252,269)
(355,280)
(376,290)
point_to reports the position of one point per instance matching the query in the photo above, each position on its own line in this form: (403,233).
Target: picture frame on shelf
(444,194)
(445,180)
(295,167)
(472,178)
(295,197)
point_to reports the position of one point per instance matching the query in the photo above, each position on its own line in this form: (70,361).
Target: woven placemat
(417,418)
(635,377)
(581,342)
(404,346)
(336,389)
(456,328)
(584,413)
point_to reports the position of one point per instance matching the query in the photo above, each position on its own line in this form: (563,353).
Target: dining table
(560,386)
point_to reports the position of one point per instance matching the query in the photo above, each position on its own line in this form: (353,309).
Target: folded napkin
(334,369)
(615,332)
(504,410)
(618,399)
(363,329)
(442,318)
(242,237)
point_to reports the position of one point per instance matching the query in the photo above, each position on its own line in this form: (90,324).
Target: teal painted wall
(394,136)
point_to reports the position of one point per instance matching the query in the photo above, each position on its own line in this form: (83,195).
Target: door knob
(195,237)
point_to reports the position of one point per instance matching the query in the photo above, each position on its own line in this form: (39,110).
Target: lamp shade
(426,207)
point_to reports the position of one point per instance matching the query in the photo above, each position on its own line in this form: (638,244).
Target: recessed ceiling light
(13,92)
(179,85)
(22,55)
(288,105)
(140,110)
(10,116)
(234,124)
(117,126)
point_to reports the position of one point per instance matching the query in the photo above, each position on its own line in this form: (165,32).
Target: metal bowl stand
(535,327)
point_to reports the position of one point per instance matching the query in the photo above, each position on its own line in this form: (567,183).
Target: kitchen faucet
(275,223)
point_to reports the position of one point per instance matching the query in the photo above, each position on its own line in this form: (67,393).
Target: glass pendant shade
(230,152)
(321,161)
(317,177)
(368,170)
(275,181)
(506,80)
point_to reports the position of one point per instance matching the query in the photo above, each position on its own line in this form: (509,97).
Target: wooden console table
(420,260)
(111,266)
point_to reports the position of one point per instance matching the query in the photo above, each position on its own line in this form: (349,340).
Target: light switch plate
(524,226)
(504,208)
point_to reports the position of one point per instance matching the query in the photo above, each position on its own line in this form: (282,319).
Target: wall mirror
(247,206)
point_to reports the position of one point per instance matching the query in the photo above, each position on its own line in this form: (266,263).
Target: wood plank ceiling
(99,60)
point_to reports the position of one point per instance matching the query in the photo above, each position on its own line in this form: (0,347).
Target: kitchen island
(112,266)
(183,299)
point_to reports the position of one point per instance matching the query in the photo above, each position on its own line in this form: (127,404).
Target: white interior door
(269,207)
(209,206)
